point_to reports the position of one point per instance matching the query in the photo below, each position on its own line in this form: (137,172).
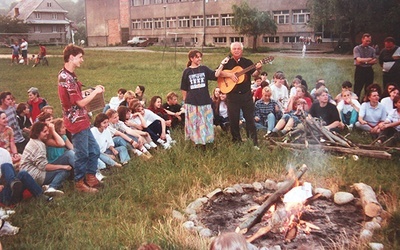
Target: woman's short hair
(171,95)
(36,129)
(99,119)
(58,123)
(21,107)
(229,241)
(111,112)
(43,116)
(122,111)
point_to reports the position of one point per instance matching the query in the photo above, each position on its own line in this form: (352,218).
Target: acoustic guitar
(226,84)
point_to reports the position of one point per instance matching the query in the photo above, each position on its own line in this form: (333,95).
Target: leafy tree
(12,25)
(356,16)
(251,22)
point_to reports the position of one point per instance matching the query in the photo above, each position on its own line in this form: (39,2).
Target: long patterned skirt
(199,124)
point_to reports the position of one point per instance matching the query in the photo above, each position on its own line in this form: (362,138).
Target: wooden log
(258,214)
(363,152)
(370,204)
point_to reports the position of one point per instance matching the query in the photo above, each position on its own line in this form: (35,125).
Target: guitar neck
(244,71)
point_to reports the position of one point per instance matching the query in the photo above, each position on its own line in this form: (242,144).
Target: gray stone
(376,246)
(230,190)
(189,225)
(205,232)
(193,217)
(257,186)
(198,203)
(238,188)
(342,198)
(213,193)
(246,186)
(190,211)
(270,184)
(326,193)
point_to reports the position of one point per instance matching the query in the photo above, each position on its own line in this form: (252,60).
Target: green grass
(137,202)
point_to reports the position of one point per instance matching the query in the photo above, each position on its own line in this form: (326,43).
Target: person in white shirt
(387,102)
(348,109)
(279,91)
(115,101)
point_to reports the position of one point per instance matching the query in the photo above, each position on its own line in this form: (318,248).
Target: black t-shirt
(195,83)
(245,86)
(329,113)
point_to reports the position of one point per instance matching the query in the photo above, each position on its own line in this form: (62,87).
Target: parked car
(140,42)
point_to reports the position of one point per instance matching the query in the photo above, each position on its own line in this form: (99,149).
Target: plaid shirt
(13,123)
(262,110)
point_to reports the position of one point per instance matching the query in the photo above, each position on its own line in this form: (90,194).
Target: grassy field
(136,204)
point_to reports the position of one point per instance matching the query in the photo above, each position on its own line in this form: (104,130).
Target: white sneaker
(152,144)
(99,176)
(53,192)
(166,145)
(8,229)
(138,152)
(146,145)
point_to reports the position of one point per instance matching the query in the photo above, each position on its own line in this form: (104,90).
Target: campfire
(292,216)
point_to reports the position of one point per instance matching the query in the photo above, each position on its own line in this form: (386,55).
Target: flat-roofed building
(191,23)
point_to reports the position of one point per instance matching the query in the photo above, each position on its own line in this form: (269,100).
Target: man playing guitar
(240,98)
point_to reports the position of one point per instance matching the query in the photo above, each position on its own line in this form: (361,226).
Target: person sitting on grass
(157,108)
(139,93)
(346,85)
(391,126)
(258,92)
(146,120)
(221,112)
(295,83)
(301,93)
(115,101)
(129,97)
(372,114)
(388,102)
(125,136)
(266,111)
(175,110)
(7,139)
(325,110)
(34,159)
(12,185)
(35,103)
(24,122)
(108,152)
(292,119)
(348,108)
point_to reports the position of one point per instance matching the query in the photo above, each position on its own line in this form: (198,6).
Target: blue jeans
(270,122)
(8,174)
(87,153)
(55,178)
(68,158)
(122,154)
(349,119)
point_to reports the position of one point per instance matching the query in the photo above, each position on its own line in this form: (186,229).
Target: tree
(355,16)
(251,22)
(12,25)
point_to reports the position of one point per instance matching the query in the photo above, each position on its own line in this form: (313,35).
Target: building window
(54,16)
(281,17)
(176,39)
(220,40)
(54,29)
(136,2)
(212,20)
(184,22)
(226,19)
(301,16)
(147,24)
(236,39)
(48,4)
(37,29)
(171,22)
(158,1)
(197,21)
(38,15)
(136,24)
(194,40)
(146,2)
(158,23)
(291,39)
(271,39)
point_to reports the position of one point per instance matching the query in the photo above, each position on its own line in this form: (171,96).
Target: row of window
(224,40)
(46,29)
(280,17)
(39,15)
(182,22)
(149,2)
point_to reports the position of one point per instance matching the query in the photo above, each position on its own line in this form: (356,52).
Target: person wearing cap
(389,59)
(364,58)
(35,103)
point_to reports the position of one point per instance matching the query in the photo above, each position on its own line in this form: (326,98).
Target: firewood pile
(313,135)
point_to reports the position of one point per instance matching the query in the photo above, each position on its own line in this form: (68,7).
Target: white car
(139,41)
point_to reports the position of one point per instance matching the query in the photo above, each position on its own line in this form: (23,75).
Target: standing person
(390,63)
(364,59)
(198,111)
(77,121)
(24,51)
(14,51)
(240,98)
